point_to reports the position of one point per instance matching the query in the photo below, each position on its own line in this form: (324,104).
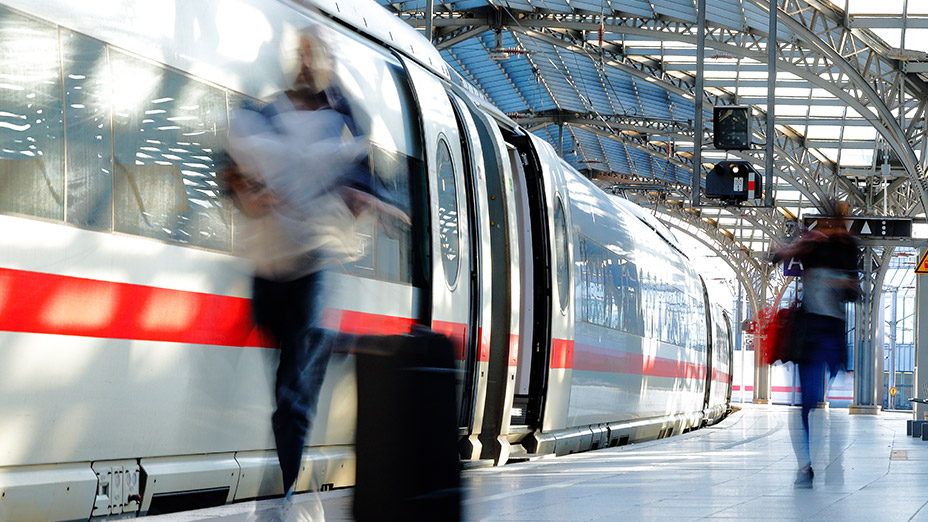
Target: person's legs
(810,382)
(304,354)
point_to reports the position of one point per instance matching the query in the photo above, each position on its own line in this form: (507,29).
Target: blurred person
(297,169)
(829,257)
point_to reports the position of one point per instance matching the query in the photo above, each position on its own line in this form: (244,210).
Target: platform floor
(866,469)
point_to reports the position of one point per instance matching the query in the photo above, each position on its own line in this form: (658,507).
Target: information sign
(870,226)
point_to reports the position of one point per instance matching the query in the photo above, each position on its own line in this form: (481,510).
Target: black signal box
(732,127)
(733,181)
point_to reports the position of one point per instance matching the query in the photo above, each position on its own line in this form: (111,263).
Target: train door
(500,329)
(450,249)
(481,269)
(728,350)
(711,347)
(536,173)
(521,186)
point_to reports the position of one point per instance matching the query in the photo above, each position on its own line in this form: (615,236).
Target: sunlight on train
(242,31)
(160,18)
(343,402)
(78,304)
(19,435)
(26,366)
(6,286)
(133,82)
(167,311)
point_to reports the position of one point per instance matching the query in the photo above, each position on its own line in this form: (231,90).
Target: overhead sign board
(870,226)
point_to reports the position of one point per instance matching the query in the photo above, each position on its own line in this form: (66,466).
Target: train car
(131,377)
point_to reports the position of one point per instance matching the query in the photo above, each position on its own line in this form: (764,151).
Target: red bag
(782,333)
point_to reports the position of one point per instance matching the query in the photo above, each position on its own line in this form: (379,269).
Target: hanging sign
(792,267)
(869,226)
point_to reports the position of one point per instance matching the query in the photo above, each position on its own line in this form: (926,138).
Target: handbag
(787,334)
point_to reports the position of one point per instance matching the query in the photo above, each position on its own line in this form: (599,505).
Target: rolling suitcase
(406,441)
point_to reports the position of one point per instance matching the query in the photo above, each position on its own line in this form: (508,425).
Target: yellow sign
(922,266)
(892,391)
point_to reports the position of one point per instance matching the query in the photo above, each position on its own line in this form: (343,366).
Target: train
(132,380)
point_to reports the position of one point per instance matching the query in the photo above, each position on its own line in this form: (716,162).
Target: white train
(131,380)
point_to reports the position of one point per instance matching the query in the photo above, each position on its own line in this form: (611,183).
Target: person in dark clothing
(297,170)
(829,257)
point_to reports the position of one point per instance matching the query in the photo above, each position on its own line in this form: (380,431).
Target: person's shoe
(804,478)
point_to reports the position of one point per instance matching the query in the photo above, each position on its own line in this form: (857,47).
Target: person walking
(297,171)
(829,257)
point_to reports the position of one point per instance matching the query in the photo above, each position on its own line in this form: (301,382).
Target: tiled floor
(741,469)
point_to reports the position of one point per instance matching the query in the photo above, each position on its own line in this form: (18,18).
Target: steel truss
(849,63)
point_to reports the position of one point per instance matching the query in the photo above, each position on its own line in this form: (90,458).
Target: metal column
(892,348)
(700,94)
(429,18)
(920,387)
(739,341)
(771,102)
(868,363)
(761,370)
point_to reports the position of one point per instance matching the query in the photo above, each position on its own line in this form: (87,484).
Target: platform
(866,468)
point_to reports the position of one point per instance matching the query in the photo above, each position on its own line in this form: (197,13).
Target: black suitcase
(407,458)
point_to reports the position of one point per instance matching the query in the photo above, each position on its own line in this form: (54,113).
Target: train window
(610,294)
(90,145)
(562,267)
(448,236)
(166,129)
(393,244)
(31,122)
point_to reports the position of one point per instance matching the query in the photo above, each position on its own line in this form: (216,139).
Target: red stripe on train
(35,302)
(361,323)
(54,304)
(562,353)
(594,359)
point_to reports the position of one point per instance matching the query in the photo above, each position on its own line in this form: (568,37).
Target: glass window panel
(31,128)
(392,172)
(448,236)
(561,266)
(89,137)
(167,129)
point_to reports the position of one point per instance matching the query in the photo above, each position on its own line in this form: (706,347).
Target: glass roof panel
(871,7)
(857,158)
(859,133)
(916,39)
(679,9)
(635,7)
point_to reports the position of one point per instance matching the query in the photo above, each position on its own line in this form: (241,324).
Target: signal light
(732,127)
(733,182)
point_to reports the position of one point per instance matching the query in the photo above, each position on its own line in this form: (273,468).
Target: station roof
(611,84)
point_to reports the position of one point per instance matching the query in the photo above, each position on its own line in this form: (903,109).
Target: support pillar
(761,370)
(920,389)
(868,354)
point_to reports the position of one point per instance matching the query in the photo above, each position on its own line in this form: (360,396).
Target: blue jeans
(824,347)
(292,312)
